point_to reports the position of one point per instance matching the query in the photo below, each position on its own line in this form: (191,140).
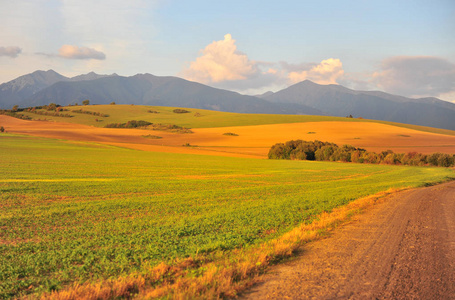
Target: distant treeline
(94,113)
(53,114)
(325,151)
(8,112)
(53,110)
(129,124)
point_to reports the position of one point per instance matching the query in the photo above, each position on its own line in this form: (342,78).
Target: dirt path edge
(403,247)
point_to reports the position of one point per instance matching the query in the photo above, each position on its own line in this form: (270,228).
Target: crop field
(247,141)
(198,118)
(75,212)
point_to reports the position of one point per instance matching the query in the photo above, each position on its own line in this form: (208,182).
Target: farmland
(78,211)
(251,135)
(196,118)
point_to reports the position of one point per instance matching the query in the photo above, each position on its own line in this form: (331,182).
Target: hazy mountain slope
(19,90)
(147,89)
(100,91)
(340,101)
(90,76)
(15,91)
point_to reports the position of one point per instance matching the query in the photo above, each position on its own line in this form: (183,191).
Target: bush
(180,111)
(297,150)
(2,129)
(230,134)
(445,160)
(129,124)
(94,113)
(151,136)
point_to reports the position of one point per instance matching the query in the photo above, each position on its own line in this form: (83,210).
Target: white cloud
(222,65)
(416,76)
(75,52)
(10,51)
(220,61)
(326,72)
(124,31)
(448,96)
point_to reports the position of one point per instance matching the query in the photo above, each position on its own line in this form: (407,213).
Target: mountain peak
(27,85)
(90,76)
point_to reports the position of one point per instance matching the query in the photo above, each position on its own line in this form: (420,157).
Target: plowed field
(251,141)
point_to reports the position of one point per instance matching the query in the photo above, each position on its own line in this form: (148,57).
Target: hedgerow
(129,124)
(325,151)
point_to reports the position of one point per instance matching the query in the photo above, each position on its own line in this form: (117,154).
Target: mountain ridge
(336,100)
(306,97)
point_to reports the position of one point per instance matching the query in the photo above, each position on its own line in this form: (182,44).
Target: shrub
(180,111)
(445,160)
(129,124)
(170,127)
(150,136)
(94,113)
(52,106)
(2,129)
(230,134)
(433,159)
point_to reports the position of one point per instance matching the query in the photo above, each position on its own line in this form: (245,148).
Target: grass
(200,118)
(87,215)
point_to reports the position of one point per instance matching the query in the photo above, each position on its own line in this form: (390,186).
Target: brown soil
(252,141)
(402,249)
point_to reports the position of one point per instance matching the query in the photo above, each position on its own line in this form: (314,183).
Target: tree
(112,103)
(86,102)
(2,129)
(15,107)
(52,106)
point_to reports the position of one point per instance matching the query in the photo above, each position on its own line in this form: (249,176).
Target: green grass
(200,118)
(76,212)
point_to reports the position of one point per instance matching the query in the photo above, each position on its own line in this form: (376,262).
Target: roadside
(402,248)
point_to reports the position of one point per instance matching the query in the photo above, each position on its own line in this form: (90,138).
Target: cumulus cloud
(10,51)
(75,52)
(326,72)
(220,61)
(416,76)
(222,65)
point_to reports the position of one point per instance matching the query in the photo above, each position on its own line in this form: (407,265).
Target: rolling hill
(40,88)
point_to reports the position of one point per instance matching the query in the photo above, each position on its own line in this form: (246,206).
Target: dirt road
(402,249)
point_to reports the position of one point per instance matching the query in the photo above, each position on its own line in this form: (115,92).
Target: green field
(198,118)
(77,212)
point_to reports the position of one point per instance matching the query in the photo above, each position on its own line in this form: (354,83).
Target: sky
(396,46)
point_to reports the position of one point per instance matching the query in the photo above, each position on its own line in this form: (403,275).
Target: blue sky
(400,47)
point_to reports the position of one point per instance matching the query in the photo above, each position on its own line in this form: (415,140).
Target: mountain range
(306,97)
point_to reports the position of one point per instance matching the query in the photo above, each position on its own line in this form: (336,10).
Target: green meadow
(77,212)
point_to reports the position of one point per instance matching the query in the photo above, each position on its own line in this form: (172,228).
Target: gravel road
(403,248)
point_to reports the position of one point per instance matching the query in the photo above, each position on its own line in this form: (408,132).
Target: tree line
(325,151)
(87,112)
(129,124)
